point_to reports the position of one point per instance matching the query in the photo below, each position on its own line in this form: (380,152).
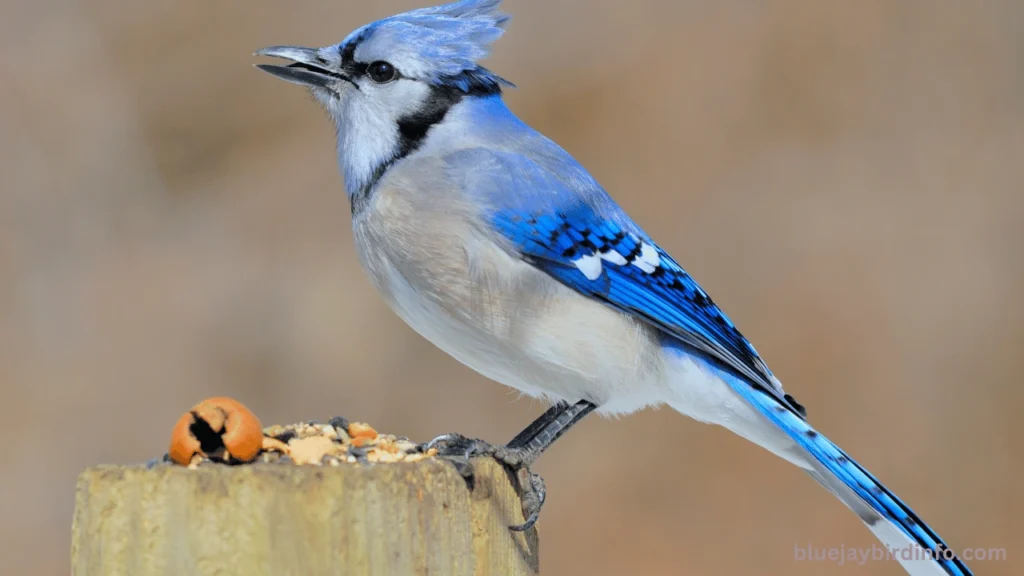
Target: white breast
(452,282)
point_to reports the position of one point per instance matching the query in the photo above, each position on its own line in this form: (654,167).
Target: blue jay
(492,242)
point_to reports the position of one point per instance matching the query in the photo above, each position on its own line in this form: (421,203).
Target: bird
(492,242)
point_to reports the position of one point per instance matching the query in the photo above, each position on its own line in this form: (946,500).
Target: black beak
(308,67)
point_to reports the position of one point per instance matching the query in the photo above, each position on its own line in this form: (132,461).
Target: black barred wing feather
(601,259)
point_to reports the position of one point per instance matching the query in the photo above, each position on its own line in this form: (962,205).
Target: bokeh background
(846,178)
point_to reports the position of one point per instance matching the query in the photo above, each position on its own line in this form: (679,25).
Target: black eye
(381,72)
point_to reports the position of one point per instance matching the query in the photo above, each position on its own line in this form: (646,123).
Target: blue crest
(440,44)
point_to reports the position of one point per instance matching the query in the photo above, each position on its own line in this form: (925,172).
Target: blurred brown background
(844,177)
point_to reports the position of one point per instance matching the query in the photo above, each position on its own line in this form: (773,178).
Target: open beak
(308,68)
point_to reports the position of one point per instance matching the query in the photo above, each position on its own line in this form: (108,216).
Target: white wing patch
(590,265)
(648,260)
(614,257)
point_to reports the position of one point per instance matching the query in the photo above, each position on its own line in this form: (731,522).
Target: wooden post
(382,519)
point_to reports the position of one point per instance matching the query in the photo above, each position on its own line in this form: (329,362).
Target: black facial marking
(349,66)
(414,127)
(413,130)
(477,81)
(348,54)
(445,92)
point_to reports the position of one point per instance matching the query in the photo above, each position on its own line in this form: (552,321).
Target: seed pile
(223,430)
(336,442)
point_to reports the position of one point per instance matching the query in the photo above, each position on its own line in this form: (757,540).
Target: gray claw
(534,493)
(459,449)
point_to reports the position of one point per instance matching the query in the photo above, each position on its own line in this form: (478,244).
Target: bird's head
(388,83)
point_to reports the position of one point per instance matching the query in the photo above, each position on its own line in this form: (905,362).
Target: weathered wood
(275,519)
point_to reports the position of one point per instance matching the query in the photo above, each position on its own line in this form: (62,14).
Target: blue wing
(561,221)
(598,258)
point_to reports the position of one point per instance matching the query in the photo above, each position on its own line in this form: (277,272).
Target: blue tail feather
(832,460)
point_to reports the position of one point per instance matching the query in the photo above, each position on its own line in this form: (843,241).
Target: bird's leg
(519,454)
(542,432)
(543,420)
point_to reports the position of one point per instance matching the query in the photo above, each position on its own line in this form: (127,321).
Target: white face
(366,113)
(382,91)
(389,82)
(383,94)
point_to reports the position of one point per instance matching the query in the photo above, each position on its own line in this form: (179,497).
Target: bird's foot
(459,449)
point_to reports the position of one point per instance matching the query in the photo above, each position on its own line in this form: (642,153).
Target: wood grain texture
(387,519)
